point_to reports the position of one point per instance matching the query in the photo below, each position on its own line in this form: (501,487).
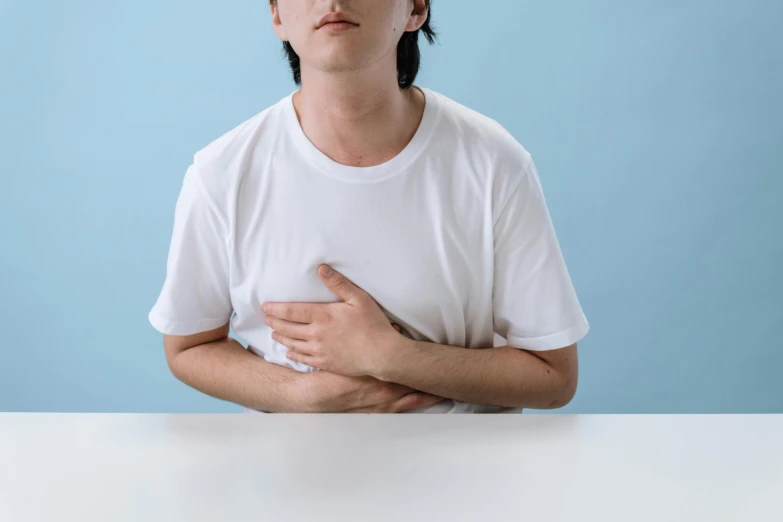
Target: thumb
(338,283)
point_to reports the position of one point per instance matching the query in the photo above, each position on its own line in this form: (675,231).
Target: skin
(354,337)
(219,366)
(352,109)
(349,105)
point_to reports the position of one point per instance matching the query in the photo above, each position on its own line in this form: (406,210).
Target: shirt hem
(169,327)
(554,341)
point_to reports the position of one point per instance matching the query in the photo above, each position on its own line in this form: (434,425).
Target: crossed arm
(369,365)
(500,376)
(354,337)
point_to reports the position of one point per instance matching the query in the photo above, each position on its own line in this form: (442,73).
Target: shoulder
(489,145)
(233,144)
(481,134)
(219,166)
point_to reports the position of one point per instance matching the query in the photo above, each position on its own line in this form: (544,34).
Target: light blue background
(657,128)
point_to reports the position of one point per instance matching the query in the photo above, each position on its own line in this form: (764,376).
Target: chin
(339,65)
(337,56)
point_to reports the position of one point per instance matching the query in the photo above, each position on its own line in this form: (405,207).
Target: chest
(409,261)
(421,251)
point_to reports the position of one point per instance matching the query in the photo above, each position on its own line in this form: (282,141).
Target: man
(430,216)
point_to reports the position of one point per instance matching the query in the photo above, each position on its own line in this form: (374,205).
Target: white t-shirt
(452,237)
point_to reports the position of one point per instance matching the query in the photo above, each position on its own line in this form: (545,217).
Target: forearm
(500,376)
(226,370)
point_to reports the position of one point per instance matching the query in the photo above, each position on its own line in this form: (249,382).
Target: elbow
(174,367)
(564,393)
(174,363)
(562,398)
(170,362)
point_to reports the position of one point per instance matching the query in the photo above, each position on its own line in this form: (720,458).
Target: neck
(357,118)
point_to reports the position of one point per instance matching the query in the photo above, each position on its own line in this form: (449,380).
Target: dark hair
(408,55)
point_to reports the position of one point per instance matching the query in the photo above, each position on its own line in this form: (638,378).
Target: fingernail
(326,271)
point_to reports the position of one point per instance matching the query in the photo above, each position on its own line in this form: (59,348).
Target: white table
(241,467)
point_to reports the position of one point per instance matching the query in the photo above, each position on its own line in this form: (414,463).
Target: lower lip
(337,27)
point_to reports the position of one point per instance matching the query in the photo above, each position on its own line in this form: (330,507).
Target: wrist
(386,367)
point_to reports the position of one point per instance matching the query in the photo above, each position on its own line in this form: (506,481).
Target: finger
(410,400)
(339,284)
(300,346)
(289,329)
(414,401)
(302,358)
(294,312)
(382,402)
(372,409)
(375,408)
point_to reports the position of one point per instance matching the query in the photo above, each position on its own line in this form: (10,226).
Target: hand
(327,392)
(352,337)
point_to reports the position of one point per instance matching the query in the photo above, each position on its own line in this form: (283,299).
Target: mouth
(337,27)
(336,21)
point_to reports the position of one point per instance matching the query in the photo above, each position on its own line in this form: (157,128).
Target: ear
(277,24)
(418,15)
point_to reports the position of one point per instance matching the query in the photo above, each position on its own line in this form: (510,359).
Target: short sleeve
(195,295)
(535,306)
